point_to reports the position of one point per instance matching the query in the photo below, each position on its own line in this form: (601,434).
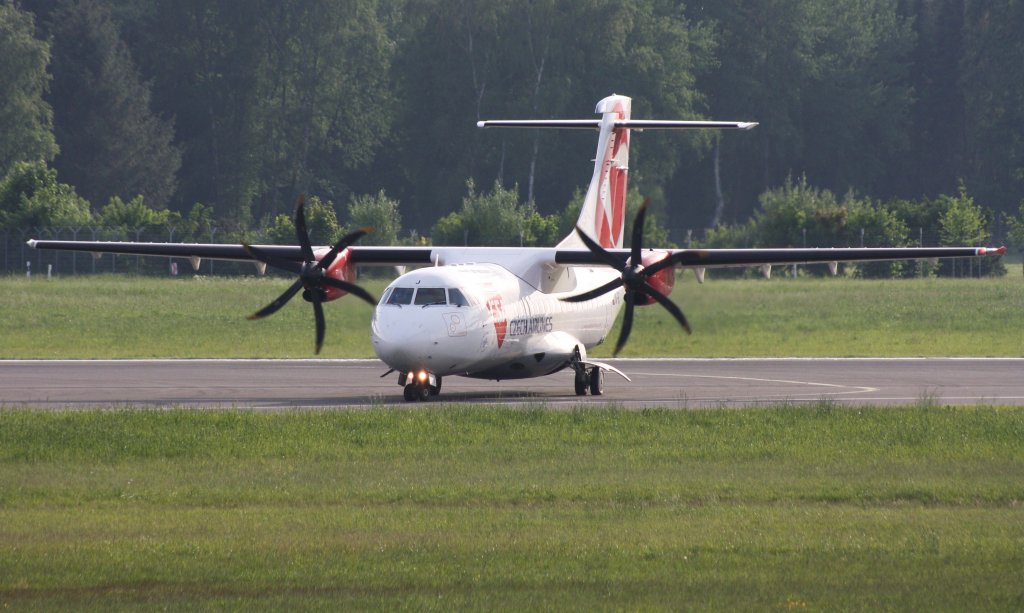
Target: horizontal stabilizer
(633,124)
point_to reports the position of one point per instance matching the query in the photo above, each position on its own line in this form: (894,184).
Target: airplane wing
(412,256)
(720,258)
(215,251)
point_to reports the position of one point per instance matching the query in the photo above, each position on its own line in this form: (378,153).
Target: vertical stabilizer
(603,214)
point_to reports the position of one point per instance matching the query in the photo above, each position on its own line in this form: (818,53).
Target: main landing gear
(587,378)
(419,385)
(592,380)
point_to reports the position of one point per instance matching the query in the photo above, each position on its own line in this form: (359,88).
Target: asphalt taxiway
(676,383)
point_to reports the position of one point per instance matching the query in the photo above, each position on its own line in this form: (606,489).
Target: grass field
(134,317)
(462,507)
(811,508)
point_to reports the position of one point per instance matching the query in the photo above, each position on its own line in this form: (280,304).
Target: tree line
(222,112)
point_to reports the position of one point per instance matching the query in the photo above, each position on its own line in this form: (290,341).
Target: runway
(674,383)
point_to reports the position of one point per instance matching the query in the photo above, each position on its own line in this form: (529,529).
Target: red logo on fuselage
(497,310)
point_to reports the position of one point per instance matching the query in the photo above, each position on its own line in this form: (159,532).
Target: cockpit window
(456,298)
(430,295)
(400,295)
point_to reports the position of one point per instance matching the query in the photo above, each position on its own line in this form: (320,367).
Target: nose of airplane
(411,337)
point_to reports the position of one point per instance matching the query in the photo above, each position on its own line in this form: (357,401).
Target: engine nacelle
(341,268)
(664,280)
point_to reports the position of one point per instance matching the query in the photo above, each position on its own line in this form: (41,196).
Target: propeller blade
(301,232)
(600,252)
(318,314)
(627,324)
(310,272)
(272,261)
(345,241)
(670,306)
(281,300)
(594,293)
(351,288)
(638,233)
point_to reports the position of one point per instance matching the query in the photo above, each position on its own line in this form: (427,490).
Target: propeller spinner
(634,277)
(310,271)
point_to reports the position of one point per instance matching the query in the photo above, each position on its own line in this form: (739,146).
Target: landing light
(423,376)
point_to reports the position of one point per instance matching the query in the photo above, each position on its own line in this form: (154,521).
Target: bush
(964,223)
(379,212)
(495,218)
(31,197)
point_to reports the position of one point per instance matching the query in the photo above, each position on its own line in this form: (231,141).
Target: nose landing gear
(419,385)
(413,391)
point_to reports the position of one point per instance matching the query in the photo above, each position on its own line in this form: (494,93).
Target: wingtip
(31,243)
(991,250)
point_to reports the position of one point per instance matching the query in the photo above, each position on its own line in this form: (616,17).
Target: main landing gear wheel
(596,381)
(582,382)
(590,375)
(592,380)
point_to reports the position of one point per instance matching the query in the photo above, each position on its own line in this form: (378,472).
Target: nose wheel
(419,385)
(414,391)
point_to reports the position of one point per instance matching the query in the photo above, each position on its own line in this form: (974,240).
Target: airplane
(513,312)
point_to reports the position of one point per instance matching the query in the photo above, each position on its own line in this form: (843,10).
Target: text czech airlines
(530,325)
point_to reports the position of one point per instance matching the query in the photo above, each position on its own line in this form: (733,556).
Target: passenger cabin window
(456,298)
(400,296)
(430,295)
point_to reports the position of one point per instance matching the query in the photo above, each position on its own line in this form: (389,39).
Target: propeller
(633,277)
(310,271)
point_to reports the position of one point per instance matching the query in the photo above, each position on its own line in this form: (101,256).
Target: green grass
(138,317)
(813,508)
(842,318)
(129,317)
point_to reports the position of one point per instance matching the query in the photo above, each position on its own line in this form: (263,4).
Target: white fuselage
(505,328)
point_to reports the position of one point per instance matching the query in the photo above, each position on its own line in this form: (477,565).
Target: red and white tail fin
(603,216)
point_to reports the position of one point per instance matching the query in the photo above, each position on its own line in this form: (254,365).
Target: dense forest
(221,112)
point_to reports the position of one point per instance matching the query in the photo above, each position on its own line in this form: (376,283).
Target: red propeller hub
(664,280)
(341,269)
